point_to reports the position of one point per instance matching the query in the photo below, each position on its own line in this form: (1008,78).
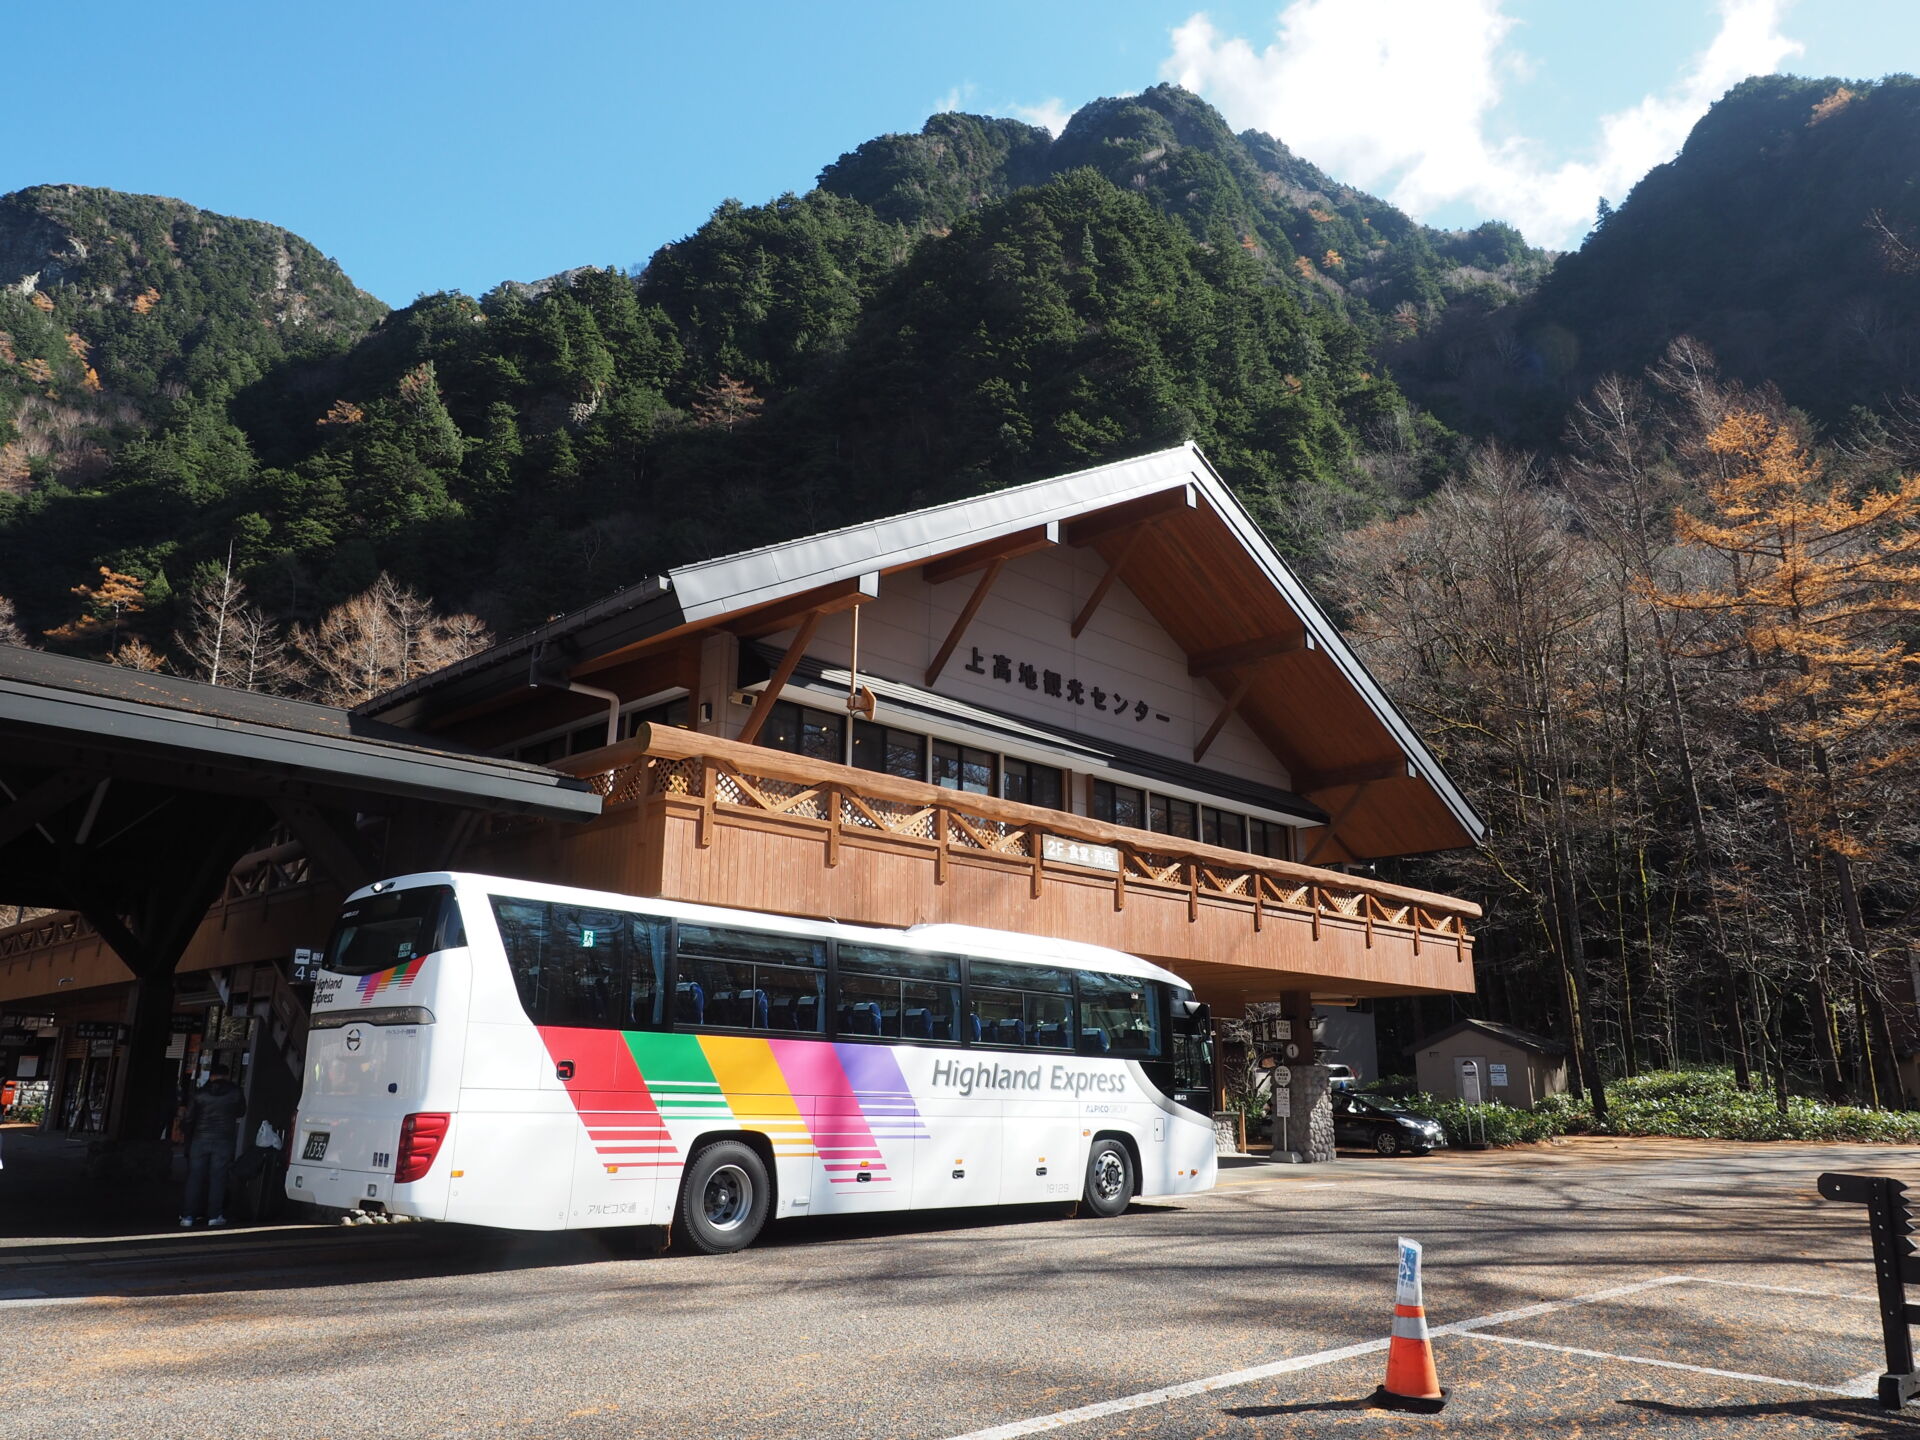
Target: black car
(1382,1126)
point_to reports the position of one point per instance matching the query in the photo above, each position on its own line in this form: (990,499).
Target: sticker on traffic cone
(1412,1382)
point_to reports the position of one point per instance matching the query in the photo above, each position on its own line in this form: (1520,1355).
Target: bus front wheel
(724,1198)
(1109,1178)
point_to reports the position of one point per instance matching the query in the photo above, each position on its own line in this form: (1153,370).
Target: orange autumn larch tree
(1813,611)
(104,609)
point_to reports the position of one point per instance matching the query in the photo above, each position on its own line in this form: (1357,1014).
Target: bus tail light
(420,1140)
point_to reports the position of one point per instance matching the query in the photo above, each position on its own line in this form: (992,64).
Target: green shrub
(1686,1104)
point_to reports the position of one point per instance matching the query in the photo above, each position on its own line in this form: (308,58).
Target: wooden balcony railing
(724,781)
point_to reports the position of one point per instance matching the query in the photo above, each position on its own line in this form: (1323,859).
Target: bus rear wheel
(1109,1178)
(724,1198)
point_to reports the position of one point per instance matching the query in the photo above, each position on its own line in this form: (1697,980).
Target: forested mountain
(969,306)
(115,309)
(965,308)
(1785,236)
(1333,244)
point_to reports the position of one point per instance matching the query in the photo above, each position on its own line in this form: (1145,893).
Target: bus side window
(587,963)
(523,932)
(584,967)
(1118,1016)
(1026,1005)
(897,993)
(748,980)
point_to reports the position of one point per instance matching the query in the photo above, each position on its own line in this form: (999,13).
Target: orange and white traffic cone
(1412,1382)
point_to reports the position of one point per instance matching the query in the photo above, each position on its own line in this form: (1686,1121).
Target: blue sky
(451,146)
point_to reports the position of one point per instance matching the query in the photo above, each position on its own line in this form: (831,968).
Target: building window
(1268,839)
(1032,784)
(816,734)
(887,751)
(674,713)
(1223,828)
(959,767)
(1119,804)
(1167,816)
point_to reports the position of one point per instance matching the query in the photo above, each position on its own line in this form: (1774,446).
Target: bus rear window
(378,932)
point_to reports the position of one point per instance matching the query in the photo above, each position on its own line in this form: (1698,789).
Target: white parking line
(1063,1418)
(1782,1289)
(1852,1392)
(39,1299)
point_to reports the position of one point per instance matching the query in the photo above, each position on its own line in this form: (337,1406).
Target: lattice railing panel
(676,777)
(1155,869)
(763,792)
(892,817)
(976,832)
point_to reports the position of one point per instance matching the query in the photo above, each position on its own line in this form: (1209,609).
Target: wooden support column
(1234,697)
(763,707)
(1105,583)
(965,618)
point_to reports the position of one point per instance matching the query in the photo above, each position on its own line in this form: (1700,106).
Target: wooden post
(965,618)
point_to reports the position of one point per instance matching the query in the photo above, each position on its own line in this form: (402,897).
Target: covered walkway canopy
(128,796)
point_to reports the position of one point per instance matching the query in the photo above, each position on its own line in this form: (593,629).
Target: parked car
(1341,1077)
(1385,1128)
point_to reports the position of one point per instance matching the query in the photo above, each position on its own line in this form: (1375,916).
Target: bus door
(1041,1148)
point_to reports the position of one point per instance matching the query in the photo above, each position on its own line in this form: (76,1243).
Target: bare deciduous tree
(383,637)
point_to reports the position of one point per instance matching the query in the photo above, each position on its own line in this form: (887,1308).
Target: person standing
(212,1127)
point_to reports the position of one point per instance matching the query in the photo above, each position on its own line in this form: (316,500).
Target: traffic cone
(1412,1382)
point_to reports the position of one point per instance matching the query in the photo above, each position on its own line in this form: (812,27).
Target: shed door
(1469,1074)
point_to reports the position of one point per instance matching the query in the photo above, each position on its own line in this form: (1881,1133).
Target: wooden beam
(1318,781)
(333,850)
(782,673)
(1129,513)
(42,802)
(965,618)
(977,557)
(1247,652)
(1106,581)
(778,615)
(1346,813)
(1234,697)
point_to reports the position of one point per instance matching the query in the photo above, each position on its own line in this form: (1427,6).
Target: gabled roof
(1507,1034)
(1196,559)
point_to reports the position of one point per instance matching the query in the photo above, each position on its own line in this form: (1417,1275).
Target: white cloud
(1396,95)
(958,98)
(1051,115)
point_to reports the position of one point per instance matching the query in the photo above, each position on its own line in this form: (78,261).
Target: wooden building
(1480,1061)
(1098,707)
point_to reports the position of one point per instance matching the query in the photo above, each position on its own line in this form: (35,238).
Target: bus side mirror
(1196,1014)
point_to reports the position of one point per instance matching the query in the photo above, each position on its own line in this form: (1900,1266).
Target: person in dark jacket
(212,1128)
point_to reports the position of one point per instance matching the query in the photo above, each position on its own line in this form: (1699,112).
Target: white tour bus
(544,1058)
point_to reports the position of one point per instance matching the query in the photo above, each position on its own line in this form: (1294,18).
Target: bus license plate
(316,1145)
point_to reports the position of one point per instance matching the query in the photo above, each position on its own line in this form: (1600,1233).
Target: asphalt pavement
(1595,1288)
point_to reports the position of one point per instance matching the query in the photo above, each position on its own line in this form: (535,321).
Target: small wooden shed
(1478,1060)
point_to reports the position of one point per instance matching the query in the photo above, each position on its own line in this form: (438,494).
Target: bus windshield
(378,932)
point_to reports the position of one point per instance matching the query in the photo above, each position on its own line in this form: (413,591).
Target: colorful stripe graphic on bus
(401,977)
(810,1098)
